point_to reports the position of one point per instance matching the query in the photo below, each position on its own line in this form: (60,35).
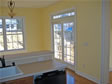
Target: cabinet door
(26,80)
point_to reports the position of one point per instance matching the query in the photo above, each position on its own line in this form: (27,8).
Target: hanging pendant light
(11,5)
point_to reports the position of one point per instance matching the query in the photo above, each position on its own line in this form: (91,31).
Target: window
(63,26)
(64,15)
(11,34)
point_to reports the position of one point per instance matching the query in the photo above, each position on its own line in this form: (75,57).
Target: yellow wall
(0,7)
(88,30)
(111,36)
(38,31)
(0,11)
(33,29)
(111,48)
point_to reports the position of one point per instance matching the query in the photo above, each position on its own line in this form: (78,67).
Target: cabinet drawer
(26,80)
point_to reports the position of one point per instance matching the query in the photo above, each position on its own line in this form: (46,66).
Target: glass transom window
(64,15)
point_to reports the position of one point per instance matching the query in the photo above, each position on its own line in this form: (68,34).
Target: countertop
(36,68)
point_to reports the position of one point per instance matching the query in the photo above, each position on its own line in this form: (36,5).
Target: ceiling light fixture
(11,6)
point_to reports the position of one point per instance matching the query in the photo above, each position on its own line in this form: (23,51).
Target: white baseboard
(88,77)
(110,69)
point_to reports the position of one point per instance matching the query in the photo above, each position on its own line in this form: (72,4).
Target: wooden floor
(82,80)
(110,78)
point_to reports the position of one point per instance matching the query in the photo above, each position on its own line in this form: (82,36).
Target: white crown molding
(110,69)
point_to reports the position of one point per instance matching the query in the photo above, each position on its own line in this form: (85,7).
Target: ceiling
(31,3)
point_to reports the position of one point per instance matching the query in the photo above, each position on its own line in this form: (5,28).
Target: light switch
(85,44)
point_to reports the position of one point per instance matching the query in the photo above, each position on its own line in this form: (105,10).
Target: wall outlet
(83,65)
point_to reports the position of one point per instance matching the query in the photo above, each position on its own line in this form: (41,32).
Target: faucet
(3,61)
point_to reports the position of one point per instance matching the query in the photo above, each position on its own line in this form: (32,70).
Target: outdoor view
(1,37)
(11,35)
(65,44)
(58,41)
(68,42)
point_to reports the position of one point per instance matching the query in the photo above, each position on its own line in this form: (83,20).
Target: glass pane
(1,29)
(1,43)
(58,41)
(14,42)
(1,37)
(64,15)
(14,25)
(20,37)
(15,45)
(14,33)
(9,38)
(15,39)
(9,46)
(68,42)
(20,44)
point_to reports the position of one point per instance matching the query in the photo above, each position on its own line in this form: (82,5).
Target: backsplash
(24,58)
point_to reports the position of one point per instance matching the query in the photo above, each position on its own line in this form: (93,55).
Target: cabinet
(26,80)
(53,77)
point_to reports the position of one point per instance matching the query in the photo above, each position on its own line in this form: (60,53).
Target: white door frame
(74,33)
(105,42)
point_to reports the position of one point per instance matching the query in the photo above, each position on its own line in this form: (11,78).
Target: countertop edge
(60,67)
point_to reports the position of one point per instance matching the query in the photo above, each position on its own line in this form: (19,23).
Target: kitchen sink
(10,72)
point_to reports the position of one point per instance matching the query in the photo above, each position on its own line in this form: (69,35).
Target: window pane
(14,34)
(64,15)
(1,37)
(20,38)
(68,42)
(58,41)
(15,45)
(14,25)
(15,38)
(10,46)
(11,25)
(1,30)
(9,38)
(1,43)
(20,44)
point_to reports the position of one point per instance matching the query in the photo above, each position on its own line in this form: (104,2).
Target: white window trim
(23,33)
(105,42)
(75,34)
(51,21)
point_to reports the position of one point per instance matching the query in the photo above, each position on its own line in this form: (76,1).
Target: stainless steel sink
(10,72)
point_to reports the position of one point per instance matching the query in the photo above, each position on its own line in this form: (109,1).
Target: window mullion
(62,42)
(4,35)
(23,33)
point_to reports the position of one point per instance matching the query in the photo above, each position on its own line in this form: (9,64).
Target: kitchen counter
(36,68)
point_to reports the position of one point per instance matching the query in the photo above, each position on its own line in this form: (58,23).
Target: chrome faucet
(3,61)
